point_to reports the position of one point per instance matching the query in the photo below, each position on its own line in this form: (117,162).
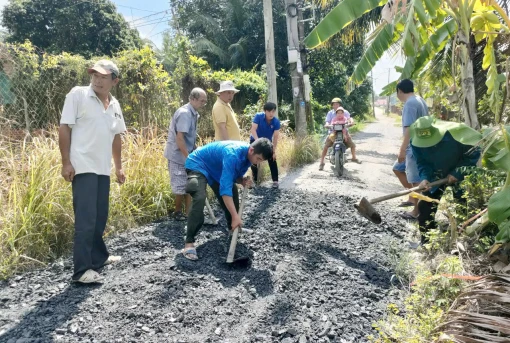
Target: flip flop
(321,166)
(408,216)
(190,254)
(355,160)
(90,276)
(406,204)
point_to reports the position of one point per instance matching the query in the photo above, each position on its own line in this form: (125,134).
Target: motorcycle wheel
(339,163)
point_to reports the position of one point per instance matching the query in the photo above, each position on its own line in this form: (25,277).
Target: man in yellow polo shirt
(224,118)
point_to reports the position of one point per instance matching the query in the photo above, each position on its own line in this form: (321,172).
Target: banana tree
(422,28)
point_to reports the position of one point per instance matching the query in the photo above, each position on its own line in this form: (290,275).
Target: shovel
(235,235)
(366,209)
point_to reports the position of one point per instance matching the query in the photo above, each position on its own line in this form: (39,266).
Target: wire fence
(33,87)
(27,102)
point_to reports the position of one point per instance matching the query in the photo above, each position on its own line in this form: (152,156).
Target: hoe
(366,209)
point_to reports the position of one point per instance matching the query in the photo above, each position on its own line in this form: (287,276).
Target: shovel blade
(366,209)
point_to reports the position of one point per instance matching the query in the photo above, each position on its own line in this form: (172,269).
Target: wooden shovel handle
(235,234)
(410,190)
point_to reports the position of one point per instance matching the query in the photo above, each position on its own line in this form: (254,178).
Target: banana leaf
(373,53)
(341,16)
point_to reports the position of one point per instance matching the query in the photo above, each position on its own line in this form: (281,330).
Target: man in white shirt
(89,135)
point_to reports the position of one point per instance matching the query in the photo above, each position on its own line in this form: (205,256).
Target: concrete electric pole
(270,60)
(296,66)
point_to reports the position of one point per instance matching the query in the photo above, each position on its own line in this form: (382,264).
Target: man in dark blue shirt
(440,153)
(266,125)
(220,164)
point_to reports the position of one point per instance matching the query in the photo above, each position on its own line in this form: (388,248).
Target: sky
(383,67)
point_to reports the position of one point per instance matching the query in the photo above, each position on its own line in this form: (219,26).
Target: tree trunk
(468,82)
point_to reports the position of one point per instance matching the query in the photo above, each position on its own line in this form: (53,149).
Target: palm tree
(422,28)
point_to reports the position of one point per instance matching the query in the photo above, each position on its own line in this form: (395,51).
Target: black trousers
(426,218)
(273,166)
(91,194)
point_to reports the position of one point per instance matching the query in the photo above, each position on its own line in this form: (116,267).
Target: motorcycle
(337,151)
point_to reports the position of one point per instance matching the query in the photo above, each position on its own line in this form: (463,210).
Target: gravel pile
(319,273)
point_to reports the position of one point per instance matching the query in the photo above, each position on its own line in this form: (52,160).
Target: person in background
(89,135)
(221,165)
(182,135)
(266,125)
(344,116)
(405,167)
(224,118)
(440,152)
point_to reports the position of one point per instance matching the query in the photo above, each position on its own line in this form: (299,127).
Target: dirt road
(320,273)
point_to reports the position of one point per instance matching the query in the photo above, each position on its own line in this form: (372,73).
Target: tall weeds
(36,221)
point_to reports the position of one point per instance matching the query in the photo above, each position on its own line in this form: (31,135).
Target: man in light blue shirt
(182,135)
(405,168)
(220,164)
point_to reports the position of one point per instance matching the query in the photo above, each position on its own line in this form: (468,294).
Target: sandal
(90,276)
(355,160)
(190,253)
(408,216)
(321,166)
(406,204)
(179,216)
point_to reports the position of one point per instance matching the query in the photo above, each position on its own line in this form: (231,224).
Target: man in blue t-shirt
(405,167)
(266,125)
(220,164)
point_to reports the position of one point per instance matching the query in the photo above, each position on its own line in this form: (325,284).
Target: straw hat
(226,86)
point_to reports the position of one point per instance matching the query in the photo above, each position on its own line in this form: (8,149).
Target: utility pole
(373,95)
(389,96)
(304,64)
(270,60)
(296,66)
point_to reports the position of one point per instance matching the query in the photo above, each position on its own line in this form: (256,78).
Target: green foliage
(146,91)
(305,151)
(230,34)
(148,94)
(422,30)
(424,308)
(330,67)
(496,156)
(84,28)
(341,16)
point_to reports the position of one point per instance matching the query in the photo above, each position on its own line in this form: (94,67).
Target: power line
(160,32)
(152,22)
(134,8)
(147,16)
(159,22)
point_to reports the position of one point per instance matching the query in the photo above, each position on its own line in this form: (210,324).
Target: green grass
(427,297)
